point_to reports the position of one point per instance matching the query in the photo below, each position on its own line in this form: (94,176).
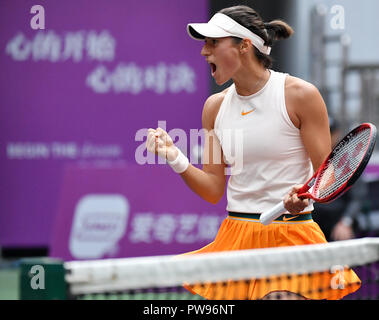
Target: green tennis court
(9,283)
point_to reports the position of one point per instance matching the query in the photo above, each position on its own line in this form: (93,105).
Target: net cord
(112,275)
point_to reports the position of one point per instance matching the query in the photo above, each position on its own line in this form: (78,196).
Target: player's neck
(250,79)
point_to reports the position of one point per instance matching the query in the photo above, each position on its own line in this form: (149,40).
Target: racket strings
(342,165)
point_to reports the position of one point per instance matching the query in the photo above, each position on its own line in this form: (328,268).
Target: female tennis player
(285,137)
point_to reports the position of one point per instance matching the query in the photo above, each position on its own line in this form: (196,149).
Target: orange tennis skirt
(242,231)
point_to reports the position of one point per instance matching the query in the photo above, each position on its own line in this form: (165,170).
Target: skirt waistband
(285,218)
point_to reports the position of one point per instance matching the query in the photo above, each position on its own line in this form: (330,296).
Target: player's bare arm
(208,182)
(307,111)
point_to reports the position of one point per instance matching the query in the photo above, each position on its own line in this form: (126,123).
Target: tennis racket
(337,174)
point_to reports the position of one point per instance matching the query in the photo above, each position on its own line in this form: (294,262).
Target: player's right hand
(293,203)
(159,142)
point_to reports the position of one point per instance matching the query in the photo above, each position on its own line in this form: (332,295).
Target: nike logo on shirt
(243,113)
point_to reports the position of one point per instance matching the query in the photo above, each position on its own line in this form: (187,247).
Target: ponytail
(278,29)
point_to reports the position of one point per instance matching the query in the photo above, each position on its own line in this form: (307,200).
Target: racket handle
(268,216)
(275,212)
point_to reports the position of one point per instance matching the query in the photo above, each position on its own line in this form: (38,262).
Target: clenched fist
(159,142)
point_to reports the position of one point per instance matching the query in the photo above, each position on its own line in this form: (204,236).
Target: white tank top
(262,146)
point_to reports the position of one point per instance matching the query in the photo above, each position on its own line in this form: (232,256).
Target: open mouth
(213,68)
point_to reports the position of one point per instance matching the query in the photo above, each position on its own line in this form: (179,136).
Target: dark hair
(269,32)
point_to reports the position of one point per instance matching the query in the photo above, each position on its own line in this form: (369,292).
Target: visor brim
(200,31)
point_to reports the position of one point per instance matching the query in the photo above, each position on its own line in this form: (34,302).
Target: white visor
(223,26)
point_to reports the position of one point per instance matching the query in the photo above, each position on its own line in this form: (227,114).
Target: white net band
(167,271)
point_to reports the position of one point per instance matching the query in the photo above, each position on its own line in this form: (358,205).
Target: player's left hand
(293,203)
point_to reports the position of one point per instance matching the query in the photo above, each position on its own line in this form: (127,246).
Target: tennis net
(336,270)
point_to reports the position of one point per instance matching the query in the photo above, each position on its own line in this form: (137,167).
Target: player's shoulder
(211,108)
(300,89)
(303,99)
(215,100)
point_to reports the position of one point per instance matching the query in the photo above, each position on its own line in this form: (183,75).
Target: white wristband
(180,164)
